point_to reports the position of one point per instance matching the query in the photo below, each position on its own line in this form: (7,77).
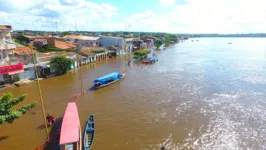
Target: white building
(106,41)
(8,63)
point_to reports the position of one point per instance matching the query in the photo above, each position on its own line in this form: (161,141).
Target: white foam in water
(237,121)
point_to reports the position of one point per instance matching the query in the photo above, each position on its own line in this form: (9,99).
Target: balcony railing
(7,46)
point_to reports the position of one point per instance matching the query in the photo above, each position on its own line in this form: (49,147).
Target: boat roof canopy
(70,130)
(111,75)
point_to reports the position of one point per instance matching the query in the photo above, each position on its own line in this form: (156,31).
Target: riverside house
(114,51)
(24,56)
(99,52)
(45,58)
(106,41)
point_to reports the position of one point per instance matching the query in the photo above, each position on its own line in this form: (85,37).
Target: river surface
(199,95)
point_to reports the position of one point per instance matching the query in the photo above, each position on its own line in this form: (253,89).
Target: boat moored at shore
(70,136)
(89,133)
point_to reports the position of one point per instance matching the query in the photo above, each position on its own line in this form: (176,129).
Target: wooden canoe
(89,134)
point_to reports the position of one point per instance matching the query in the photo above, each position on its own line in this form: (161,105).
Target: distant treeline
(224,35)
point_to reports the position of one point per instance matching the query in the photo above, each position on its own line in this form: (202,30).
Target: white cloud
(43,14)
(204,16)
(184,16)
(167,3)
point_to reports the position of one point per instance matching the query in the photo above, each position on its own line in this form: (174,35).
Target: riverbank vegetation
(62,64)
(168,38)
(158,43)
(9,114)
(141,53)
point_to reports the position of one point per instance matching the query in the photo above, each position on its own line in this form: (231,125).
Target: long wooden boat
(115,79)
(70,135)
(89,133)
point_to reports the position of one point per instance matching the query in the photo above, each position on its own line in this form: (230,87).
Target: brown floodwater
(199,95)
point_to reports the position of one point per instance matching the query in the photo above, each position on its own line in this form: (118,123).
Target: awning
(10,73)
(12,69)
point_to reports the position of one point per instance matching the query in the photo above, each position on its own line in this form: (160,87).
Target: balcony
(7,46)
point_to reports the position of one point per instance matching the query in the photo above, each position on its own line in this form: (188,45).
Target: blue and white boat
(107,80)
(89,133)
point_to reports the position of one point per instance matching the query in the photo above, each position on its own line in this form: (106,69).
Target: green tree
(61,63)
(158,43)
(65,34)
(141,53)
(7,101)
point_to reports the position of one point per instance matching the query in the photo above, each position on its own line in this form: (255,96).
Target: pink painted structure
(70,136)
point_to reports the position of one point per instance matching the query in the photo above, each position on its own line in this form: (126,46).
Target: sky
(172,16)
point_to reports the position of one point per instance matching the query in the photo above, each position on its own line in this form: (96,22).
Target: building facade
(106,41)
(9,65)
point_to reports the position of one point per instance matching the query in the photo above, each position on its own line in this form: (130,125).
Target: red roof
(24,50)
(40,40)
(64,44)
(5,27)
(70,130)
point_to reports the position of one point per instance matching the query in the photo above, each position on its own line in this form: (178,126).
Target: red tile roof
(64,44)
(40,40)
(5,27)
(24,50)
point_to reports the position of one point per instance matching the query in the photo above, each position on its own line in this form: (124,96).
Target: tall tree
(158,43)
(7,101)
(61,63)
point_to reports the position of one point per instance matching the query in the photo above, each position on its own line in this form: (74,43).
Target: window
(4,54)
(87,42)
(91,43)
(25,57)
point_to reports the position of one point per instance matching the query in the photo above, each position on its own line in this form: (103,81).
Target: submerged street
(199,95)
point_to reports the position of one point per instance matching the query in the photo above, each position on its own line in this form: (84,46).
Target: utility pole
(56,26)
(40,92)
(76,25)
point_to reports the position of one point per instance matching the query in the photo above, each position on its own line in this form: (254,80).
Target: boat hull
(95,88)
(89,134)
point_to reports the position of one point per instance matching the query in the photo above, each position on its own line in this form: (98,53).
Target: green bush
(142,52)
(136,56)
(61,63)
(99,51)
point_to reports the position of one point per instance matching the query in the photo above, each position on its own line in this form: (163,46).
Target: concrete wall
(106,41)
(27,74)
(4,56)
(90,43)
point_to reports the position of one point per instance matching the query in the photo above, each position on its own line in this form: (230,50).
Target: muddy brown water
(199,95)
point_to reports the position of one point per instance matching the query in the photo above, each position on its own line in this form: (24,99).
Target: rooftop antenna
(76,25)
(56,26)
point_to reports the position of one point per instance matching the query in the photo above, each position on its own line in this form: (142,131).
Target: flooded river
(199,95)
